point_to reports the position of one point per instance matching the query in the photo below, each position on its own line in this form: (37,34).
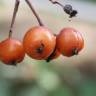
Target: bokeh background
(75,76)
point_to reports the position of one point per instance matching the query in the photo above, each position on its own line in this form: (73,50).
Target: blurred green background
(75,76)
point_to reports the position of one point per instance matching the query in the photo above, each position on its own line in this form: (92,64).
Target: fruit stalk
(34,12)
(55,2)
(13,18)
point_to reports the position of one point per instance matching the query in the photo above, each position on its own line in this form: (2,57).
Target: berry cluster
(39,43)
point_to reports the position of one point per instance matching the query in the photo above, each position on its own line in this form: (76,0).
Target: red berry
(39,42)
(69,42)
(11,51)
(55,54)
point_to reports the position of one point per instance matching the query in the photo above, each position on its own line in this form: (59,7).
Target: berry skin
(39,42)
(11,51)
(69,42)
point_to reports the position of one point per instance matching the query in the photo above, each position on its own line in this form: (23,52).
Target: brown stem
(55,2)
(34,12)
(13,18)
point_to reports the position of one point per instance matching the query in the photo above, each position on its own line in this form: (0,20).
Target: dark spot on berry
(13,63)
(75,51)
(40,49)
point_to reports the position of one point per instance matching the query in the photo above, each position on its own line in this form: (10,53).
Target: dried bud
(68,9)
(73,13)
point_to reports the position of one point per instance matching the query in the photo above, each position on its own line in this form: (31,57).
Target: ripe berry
(55,54)
(69,42)
(39,42)
(11,51)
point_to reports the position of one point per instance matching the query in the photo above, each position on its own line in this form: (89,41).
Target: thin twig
(58,3)
(13,18)
(34,12)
